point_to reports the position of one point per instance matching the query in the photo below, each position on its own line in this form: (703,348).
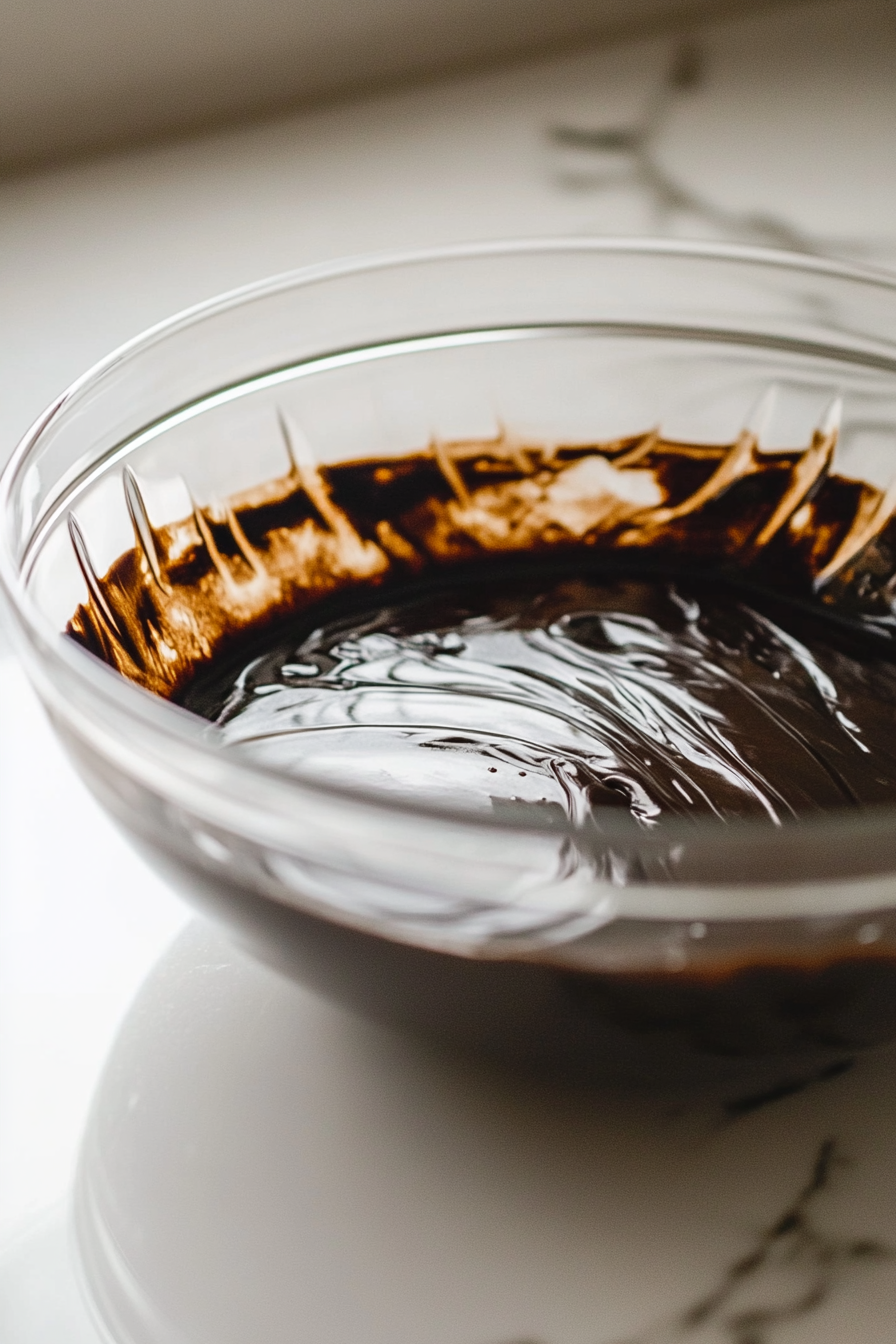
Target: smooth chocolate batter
(574,694)
(665,627)
(660,627)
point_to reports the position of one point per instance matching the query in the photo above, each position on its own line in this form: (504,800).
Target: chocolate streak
(189,591)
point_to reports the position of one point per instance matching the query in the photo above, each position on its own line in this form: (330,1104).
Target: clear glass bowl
(696,951)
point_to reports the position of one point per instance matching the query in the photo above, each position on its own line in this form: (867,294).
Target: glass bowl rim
(176,725)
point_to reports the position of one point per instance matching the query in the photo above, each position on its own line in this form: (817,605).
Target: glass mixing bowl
(745,952)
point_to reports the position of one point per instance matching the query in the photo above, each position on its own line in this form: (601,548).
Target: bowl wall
(763,945)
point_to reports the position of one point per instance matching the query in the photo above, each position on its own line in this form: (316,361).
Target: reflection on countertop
(257,1158)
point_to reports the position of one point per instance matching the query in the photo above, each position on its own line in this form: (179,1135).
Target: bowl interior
(539,386)
(536,345)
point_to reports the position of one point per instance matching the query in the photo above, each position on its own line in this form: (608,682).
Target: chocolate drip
(191,590)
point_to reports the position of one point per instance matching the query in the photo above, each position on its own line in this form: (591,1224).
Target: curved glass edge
(45,650)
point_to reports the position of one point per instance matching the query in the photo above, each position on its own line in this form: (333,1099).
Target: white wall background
(82,75)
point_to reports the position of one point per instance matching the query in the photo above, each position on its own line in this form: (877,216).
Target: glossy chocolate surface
(560,697)
(501,622)
(661,627)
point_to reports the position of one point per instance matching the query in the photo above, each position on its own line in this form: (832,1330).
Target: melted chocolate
(547,661)
(568,695)
(647,625)
(192,591)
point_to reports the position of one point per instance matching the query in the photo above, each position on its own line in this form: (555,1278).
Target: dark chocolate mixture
(663,627)
(572,694)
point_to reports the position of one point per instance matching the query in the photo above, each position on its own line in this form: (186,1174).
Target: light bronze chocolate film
(189,590)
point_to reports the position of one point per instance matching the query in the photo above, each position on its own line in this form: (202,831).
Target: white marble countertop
(776,127)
